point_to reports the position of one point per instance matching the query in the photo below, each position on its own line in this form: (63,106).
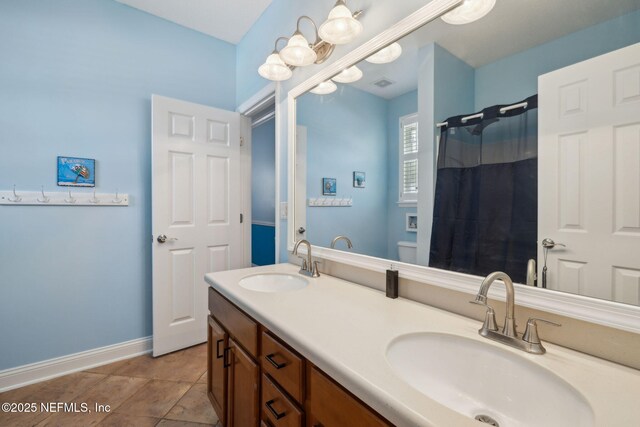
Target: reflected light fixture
(274,67)
(468,11)
(325,88)
(386,55)
(341,27)
(350,75)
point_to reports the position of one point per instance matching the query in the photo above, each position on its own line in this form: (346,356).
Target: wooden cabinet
(218,341)
(255,379)
(244,381)
(328,404)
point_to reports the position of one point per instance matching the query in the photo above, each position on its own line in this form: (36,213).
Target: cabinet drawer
(284,366)
(329,405)
(277,408)
(239,325)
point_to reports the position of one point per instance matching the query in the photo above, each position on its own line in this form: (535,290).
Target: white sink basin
(474,379)
(273,282)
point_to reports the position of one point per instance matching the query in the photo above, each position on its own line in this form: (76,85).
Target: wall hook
(44,198)
(117,199)
(94,199)
(71,199)
(15,197)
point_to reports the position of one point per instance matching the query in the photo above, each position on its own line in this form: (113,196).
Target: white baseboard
(47,369)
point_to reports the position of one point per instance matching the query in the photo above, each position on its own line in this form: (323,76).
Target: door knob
(163,238)
(550,244)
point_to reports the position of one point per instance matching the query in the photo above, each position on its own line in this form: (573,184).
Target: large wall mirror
(511,143)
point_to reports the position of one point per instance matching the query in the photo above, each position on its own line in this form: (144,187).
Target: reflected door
(589,176)
(196,214)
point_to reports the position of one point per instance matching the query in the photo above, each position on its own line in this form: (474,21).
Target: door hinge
(241,141)
(241,218)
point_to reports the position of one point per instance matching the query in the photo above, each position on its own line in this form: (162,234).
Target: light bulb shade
(469,11)
(386,55)
(340,27)
(350,75)
(324,88)
(297,52)
(274,69)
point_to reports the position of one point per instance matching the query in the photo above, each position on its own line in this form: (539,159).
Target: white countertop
(344,329)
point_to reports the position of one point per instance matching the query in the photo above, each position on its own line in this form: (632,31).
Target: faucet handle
(304,263)
(490,323)
(531,332)
(314,270)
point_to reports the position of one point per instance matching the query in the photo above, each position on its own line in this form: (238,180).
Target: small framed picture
(328,186)
(359,179)
(412,222)
(76,172)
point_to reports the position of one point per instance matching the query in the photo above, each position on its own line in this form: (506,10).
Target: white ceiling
(511,27)
(227,20)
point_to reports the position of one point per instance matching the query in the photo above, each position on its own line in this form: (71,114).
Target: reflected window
(408,168)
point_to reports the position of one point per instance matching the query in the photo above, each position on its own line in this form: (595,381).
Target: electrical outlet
(284,210)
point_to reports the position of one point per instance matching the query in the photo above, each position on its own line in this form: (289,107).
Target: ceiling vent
(383,82)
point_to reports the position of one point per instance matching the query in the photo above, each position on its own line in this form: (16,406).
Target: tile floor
(168,391)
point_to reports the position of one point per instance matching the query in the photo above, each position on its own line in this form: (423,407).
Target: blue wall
(453,85)
(516,77)
(396,216)
(76,79)
(263,172)
(346,132)
(263,249)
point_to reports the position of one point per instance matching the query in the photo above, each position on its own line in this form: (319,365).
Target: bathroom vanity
(324,351)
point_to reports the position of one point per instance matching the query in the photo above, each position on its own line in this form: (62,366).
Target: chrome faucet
(530,341)
(309,267)
(345,238)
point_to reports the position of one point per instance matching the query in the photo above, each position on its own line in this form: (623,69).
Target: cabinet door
(328,405)
(216,371)
(244,377)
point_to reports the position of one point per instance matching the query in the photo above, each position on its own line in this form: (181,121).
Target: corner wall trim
(40,371)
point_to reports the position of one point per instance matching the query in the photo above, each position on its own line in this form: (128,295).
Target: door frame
(268,94)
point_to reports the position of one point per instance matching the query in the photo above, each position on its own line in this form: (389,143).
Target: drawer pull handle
(218,355)
(275,364)
(275,413)
(225,361)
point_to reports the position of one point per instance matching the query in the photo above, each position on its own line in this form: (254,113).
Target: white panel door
(589,176)
(196,182)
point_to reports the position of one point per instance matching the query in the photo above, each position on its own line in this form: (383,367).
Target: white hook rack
(336,202)
(62,198)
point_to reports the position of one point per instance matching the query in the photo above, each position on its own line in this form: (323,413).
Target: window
(408,167)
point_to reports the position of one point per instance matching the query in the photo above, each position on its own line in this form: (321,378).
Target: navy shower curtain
(486,199)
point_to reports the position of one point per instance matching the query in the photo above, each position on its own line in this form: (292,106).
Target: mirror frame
(603,312)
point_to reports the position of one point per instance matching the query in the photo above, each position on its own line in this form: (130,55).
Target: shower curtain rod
(480,115)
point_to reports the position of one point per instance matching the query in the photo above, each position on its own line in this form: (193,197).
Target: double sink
(475,378)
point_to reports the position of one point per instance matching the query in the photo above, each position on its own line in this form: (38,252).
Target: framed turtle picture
(76,172)
(328,186)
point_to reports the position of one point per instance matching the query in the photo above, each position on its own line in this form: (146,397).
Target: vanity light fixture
(468,11)
(386,55)
(350,75)
(341,27)
(325,88)
(274,67)
(298,51)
